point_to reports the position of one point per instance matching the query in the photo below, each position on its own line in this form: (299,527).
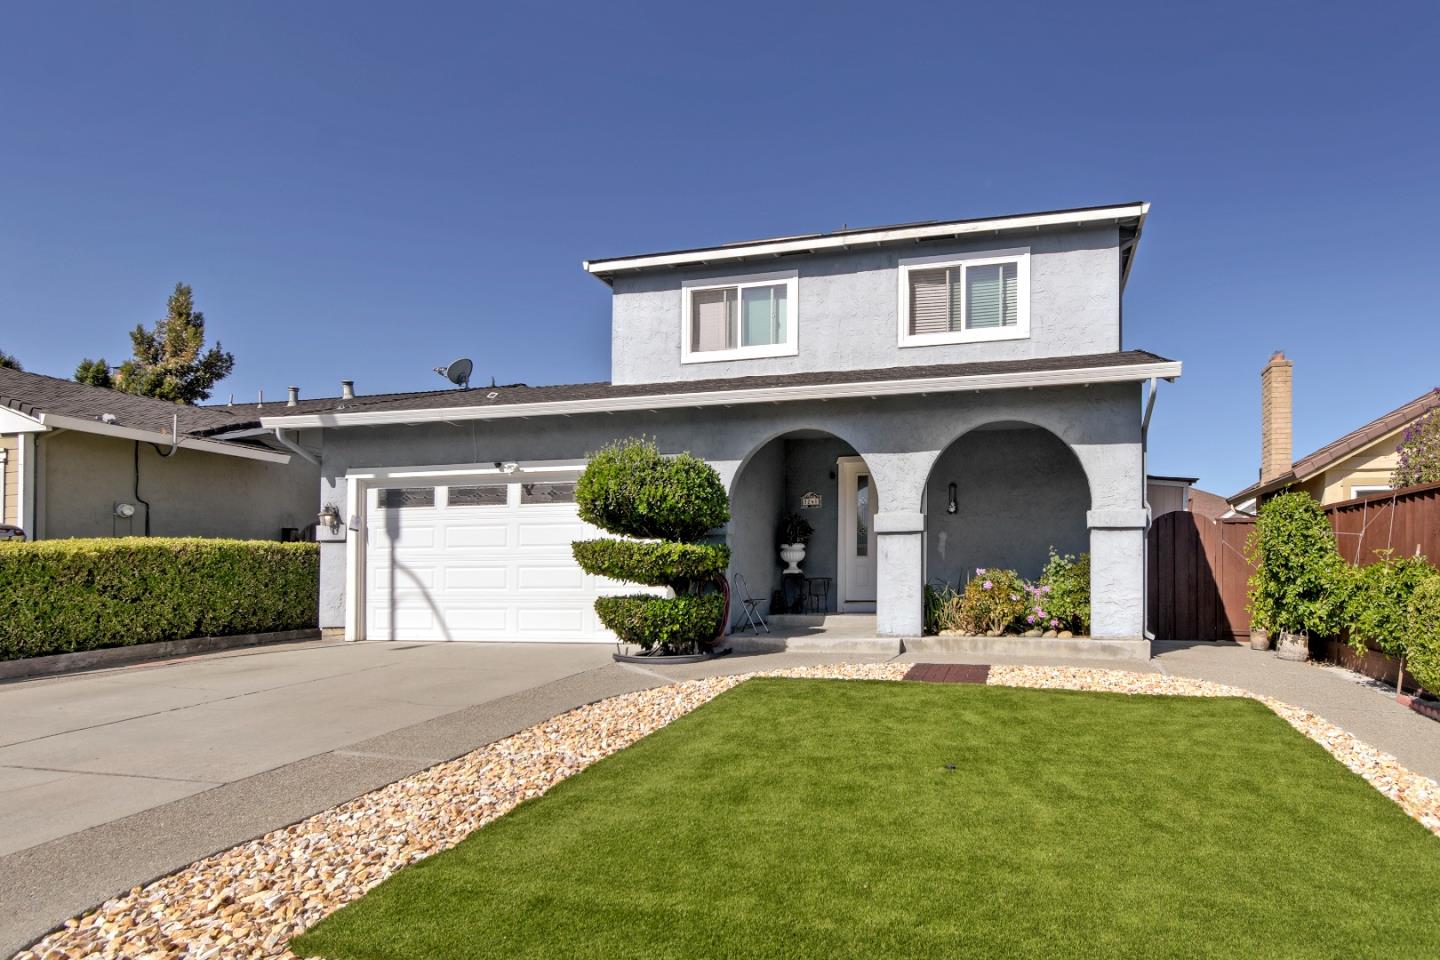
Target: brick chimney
(1276,415)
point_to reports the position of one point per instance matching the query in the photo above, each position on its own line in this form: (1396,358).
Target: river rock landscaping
(250,900)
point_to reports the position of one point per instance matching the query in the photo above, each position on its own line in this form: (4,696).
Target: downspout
(144,503)
(1145,499)
(294,447)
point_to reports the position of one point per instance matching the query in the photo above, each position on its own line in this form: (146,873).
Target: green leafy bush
(1423,631)
(794,529)
(656,563)
(1299,583)
(61,596)
(1063,593)
(1377,604)
(629,488)
(675,624)
(993,602)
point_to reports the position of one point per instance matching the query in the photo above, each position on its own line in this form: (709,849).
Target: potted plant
(1299,584)
(795,532)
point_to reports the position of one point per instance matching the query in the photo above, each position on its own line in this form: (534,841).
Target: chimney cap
(1277,357)
(294,400)
(347,389)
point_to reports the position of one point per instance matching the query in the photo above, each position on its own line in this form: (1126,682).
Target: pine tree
(8,360)
(168,362)
(96,373)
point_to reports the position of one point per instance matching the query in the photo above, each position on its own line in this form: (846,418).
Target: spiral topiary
(631,490)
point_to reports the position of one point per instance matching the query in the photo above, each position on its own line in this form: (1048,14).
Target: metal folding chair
(754,619)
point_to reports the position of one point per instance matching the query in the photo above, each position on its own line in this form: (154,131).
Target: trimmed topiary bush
(630,489)
(62,596)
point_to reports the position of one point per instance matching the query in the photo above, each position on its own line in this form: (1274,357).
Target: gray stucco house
(934,397)
(82,461)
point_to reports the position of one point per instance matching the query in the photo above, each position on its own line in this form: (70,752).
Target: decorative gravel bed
(249,900)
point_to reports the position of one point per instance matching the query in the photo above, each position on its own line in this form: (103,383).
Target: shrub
(62,596)
(993,601)
(659,564)
(631,490)
(1423,630)
(1299,581)
(1377,604)
(1063,594)
(673,624)
(1419,451)
(943,608)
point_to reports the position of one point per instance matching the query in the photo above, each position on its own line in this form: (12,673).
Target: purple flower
(988,584)
(1045,589)
(1054,623)
(979,571)
(1030,619)
(1014,596)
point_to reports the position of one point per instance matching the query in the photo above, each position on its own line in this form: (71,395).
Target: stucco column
(899,573)
(1117,574)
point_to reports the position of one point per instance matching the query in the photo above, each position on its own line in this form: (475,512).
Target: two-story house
(934,397)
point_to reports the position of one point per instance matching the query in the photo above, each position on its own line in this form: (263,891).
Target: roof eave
(607,268)
(1127,373)
(184,441)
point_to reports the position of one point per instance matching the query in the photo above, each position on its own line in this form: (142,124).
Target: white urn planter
(792,554)
(1292,646)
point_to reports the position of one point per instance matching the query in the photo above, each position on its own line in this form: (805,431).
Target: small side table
(817,594)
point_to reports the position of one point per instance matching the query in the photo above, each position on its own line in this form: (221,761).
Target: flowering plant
(1065,592)
(1419,450)
(992,602)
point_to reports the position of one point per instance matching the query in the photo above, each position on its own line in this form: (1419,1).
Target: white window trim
(1361,489)
(1020,256)
(791,280)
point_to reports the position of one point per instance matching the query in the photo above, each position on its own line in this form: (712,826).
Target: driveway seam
(106,773)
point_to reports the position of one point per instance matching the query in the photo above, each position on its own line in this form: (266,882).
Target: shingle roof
(600,390)
(33,394)
(1338,449)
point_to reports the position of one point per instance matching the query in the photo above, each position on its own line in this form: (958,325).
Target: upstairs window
(740,318)
(957,300)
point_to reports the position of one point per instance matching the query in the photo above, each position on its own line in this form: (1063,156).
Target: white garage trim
(359,482)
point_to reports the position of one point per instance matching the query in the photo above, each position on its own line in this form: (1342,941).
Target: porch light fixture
(329,518)
(952,506)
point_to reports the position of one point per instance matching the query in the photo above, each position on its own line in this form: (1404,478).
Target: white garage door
(479,561)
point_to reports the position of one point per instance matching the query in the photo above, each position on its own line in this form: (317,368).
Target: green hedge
(657,564)
(675,624)
(60,596)
(630,488)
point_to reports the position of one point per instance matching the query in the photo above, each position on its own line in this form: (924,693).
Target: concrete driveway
(109,779)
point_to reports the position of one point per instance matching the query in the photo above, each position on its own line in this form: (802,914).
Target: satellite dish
(458,372)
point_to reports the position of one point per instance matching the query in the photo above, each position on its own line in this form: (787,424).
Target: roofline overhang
(1167,370)
(57,421)
(817,243)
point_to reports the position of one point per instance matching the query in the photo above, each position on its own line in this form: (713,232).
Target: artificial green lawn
(822,819)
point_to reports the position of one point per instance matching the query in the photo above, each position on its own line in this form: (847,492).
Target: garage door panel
(553,576)
(551,534)
(492,534)
(470,578)
(551,620)
(412,577)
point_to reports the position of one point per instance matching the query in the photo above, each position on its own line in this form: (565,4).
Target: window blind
(990,294)
(712,319)
(930,309)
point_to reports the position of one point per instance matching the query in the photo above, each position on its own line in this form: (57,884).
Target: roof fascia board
(824,391)
(930,231)
(13,421)
(81,425)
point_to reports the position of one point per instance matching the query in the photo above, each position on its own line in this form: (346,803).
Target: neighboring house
(933,397)
(83,461)
(1358,463)
(1179,494)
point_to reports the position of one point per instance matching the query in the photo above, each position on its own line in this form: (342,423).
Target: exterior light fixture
(329,518)
(952,506)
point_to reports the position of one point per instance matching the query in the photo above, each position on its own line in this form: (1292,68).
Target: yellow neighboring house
(1353,465)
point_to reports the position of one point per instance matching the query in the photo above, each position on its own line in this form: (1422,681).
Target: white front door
(479,559)
(856,569)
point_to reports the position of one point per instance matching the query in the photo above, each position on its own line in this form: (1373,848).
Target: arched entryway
(1002,495)
(822,478)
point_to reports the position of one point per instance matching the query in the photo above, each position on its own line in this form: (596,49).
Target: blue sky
(365,191)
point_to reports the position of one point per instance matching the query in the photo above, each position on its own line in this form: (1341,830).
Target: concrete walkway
(108,780)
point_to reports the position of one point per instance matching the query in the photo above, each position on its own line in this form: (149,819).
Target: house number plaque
(811,501)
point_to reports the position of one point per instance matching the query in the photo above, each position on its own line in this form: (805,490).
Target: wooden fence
(1199,577)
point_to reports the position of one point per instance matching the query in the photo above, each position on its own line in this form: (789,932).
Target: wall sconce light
(952,506)
(329,518)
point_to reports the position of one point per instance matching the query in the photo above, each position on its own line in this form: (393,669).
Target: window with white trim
(739,318)
(948,299)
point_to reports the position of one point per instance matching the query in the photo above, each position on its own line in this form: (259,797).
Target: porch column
(1117,574)
(899,573)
